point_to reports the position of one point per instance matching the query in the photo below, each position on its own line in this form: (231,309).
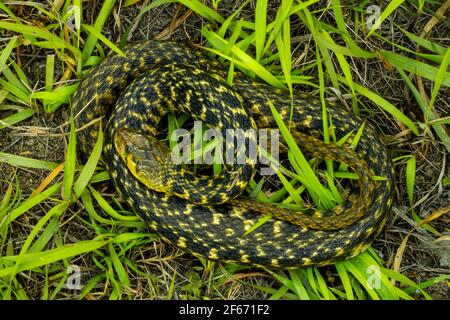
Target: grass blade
(260,27)
(7,52)
(32,31)
(17,117)
(89,169)
(438,82)
(98,25)
(386,12)
(27,205)
(410,178)
(33,260)
(97,34)
(69,166)
(19,161)
(385,105)
(417,67)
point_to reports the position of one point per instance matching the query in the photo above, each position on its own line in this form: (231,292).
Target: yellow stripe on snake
(134,92)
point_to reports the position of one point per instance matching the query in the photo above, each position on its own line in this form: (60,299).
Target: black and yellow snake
(134,92)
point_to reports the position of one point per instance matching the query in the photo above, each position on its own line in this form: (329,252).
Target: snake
(127,95)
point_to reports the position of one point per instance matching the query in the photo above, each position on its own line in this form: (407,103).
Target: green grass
(261,49)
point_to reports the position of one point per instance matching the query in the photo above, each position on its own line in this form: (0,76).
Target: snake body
(155,77)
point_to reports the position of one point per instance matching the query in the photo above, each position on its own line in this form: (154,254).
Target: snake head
(145,156)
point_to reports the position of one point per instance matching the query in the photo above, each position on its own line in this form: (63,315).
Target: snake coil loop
(135,91)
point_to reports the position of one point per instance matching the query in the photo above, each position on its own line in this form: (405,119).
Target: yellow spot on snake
(181,242)
(245,258)
(216,218)
(306,261)
(277,229)
(229,232)
(307,121)
(339,251)
(248,224)
(213,254)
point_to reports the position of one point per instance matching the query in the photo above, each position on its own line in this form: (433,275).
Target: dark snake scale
(154,78)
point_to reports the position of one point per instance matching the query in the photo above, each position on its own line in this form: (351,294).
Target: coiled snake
(135,91)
